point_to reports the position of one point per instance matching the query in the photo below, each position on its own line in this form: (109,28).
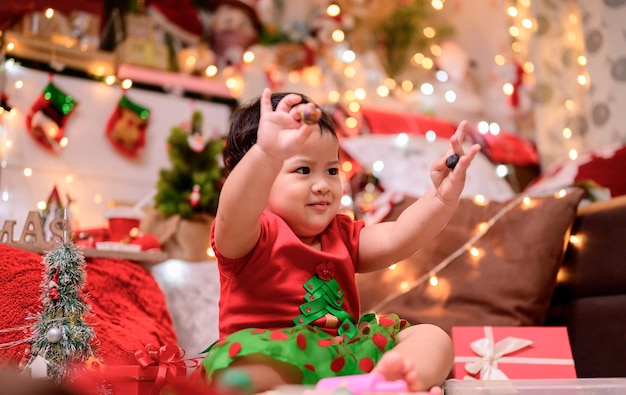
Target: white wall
(481,28)
(97,168)
(603,26)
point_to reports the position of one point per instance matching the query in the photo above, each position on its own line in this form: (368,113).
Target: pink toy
(362,384)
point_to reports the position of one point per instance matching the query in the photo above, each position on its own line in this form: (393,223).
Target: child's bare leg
(423,357)
(264,373)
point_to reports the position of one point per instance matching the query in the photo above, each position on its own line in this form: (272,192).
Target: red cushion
(389,122)
(510,148)
(607,171)
(503,148)
(604,166)
(129,309)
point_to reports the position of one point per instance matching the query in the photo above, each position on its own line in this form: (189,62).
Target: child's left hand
(449,183)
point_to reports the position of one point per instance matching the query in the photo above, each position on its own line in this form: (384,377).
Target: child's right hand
(449,182)
(282,131)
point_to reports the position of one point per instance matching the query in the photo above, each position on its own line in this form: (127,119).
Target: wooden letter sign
(33,237)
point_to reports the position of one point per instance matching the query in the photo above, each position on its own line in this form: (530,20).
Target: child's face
(308,189)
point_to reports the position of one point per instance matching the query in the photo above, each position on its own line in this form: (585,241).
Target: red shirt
(264,289)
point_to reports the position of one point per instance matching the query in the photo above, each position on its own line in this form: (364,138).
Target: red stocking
(48,115)
(126,128)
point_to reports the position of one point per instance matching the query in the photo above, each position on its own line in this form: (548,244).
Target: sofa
(557,261)
(590,296)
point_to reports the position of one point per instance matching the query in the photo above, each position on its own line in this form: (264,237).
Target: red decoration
(25,357)
(366,364)
(126,128)
(337,364)
(54,286)
(301,341)
(517,83)
(278,335)
(194,197)
(325,271)
(380,340)
(603,166)
(196,142)
(507,148)
(48,115)
(394,122)
(504,148)
(147,242)
(325,342)
(89,237)
(385,321)
(4,103)
(121,227)
(179,17)
(234,349)
(168,359)
(54,294)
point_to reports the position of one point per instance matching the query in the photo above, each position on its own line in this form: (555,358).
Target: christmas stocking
(48,115)
(126,127)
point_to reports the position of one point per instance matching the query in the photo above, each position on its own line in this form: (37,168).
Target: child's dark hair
(244,123)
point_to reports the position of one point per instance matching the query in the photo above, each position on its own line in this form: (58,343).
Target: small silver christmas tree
(61,336)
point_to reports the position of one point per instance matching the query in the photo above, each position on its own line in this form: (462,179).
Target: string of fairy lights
(525,23)
(523,26)
(469,247)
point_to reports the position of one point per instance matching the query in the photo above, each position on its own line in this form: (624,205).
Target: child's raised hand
(449,177)
(283,130)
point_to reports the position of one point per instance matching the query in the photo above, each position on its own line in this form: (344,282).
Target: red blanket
(129,309)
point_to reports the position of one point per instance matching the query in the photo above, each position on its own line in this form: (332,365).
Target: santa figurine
(234,27)
(180,18)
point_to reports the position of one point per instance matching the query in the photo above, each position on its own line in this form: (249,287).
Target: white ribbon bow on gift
(490,353)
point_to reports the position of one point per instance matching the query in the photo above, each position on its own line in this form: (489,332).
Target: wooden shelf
(94,62)
(140,257)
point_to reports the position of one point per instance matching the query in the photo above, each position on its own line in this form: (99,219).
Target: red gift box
(504,352)
(135,380)
(89,237)
(157,365)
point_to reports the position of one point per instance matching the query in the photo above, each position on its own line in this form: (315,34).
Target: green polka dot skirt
(314,352)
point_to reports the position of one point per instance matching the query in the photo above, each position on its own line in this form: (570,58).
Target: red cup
(119,228)
(121,221)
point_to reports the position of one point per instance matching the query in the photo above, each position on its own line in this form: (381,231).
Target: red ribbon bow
(168,358)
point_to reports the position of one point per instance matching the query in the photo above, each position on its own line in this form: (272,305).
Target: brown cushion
(510,283)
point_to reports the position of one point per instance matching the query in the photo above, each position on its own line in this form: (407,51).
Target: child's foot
(394,367)
(435,391)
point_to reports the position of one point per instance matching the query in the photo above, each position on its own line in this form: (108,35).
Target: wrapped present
(500,353)
(140,26)
(142,52)
(156,366)
(89,237)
